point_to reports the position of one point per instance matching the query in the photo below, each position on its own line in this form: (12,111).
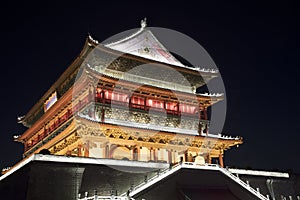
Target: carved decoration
(64,143)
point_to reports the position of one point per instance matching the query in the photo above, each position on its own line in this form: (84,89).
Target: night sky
(255,46)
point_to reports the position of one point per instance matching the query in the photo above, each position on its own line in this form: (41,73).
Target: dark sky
(255,45)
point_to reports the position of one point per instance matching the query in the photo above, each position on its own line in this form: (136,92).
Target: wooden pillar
(206,128)
(199,114)
(112,149)
(200,128)
(131,153)
(189,157)
(79,148)
(68,153)
(186,156)
(205,113)
(151,154)
(45,130)
(173,156)
(135,155)
(102,114)
(103,96)
(107,150)
(86,149)
(170,156)
(221,160)
(25,145)
(208,159)
(155,155)
(91,93)
(206,118)
(94,112)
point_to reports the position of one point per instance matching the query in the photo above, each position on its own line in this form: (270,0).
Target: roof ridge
(125,38)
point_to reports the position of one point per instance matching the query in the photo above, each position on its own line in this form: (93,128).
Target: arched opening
(121,153)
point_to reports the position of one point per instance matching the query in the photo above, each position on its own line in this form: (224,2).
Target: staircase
(190,165)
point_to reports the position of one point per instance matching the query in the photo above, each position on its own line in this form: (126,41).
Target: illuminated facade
(124,121)
(106,106)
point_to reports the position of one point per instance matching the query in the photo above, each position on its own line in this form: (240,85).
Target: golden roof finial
(143,23)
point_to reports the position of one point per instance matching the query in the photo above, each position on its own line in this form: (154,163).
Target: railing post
(282,197)
(79,195)
(131,187)
(268,197)
(86,195)
(95,195)
(257,189)
(248,183)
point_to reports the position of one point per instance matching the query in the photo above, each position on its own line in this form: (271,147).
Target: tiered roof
(142,47)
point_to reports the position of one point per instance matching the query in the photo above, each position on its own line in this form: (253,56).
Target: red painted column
(221,160)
